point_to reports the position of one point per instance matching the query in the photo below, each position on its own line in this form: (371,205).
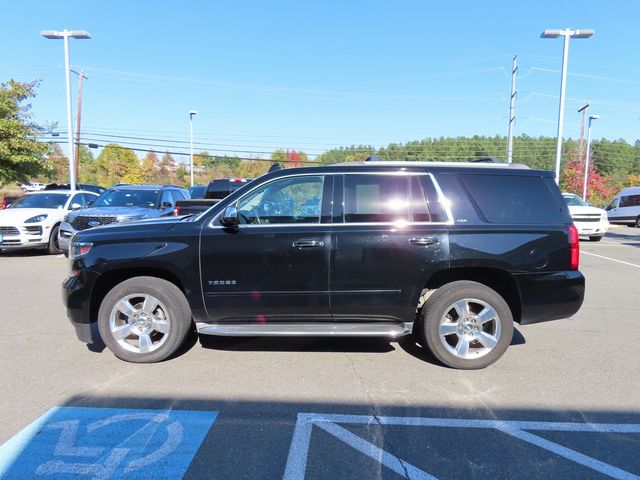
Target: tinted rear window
(515,199)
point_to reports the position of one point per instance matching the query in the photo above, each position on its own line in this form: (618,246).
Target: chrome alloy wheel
(139,323)
(470,328)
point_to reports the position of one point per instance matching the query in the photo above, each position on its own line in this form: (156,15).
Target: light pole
(64,35)
(586,162)
(191,114)
(566,33)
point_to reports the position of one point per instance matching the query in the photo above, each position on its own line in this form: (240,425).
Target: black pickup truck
(215,191)
(452,253)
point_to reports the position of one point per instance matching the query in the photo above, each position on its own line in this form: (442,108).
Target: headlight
(128,218)
(36,219)
(78,249)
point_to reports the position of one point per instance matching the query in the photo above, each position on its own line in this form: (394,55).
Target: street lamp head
(551,34)
(51,34)
(192,113)
(55,35)
(570,33)
(594,117)
(583,34)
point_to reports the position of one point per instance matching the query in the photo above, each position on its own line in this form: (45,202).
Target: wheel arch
(497,279)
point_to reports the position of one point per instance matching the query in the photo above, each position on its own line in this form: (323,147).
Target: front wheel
(637,223)
(595,239)
(466,325)
(54,248)
(144,319)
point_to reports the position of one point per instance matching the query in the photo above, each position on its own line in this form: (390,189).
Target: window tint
(286,200)
(167,200)
(436,212)
(79,199)
(630,201)
(513,198)
(376,198)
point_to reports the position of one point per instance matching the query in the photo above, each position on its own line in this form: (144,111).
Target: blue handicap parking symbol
(106,443)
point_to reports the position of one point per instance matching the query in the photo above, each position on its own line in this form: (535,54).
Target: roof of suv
(126,186)
(402,163)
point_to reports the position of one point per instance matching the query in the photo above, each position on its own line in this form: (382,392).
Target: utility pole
(81,75)
(512,110)
(584,118)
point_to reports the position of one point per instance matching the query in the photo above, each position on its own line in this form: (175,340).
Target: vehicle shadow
(297,344)
(632,239)
(23,253)
(413,348)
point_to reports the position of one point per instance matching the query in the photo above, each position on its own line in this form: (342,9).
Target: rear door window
(515,199)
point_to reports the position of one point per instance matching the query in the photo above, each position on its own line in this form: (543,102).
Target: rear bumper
(550,296)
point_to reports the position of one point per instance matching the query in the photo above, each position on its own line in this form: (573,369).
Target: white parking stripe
(608,258)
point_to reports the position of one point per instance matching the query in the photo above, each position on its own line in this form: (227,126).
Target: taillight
(176,211)
(4,203)
(574,242)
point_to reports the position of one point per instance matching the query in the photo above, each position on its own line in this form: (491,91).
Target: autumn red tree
(599,188)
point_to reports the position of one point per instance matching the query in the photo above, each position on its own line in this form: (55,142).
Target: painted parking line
(330,423)
(610,259)
(105,443)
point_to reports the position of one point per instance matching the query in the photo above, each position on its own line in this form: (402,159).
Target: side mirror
(75,206)
(166,205)
(230,217)
(89,203)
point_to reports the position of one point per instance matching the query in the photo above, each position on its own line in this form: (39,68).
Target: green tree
(86,166)
(117,164)
(168,169)
(21,155)
(150,167)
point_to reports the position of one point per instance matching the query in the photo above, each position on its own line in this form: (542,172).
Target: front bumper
(592,229)
(65,234)
(550,296)
(76,296)
(24,236)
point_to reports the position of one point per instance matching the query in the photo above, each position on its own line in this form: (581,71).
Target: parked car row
(48,219)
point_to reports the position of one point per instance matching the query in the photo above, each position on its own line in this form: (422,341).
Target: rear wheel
(144,319)
(54,248)
(637,224)
(466,325)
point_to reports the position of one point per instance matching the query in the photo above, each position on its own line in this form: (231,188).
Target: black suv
(453,253)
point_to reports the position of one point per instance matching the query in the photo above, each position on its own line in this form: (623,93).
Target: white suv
(590,221)
(33,220)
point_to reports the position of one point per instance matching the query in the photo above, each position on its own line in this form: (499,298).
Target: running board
(306,329)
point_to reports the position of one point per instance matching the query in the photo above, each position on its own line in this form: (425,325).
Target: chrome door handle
(308,243)
(423,242)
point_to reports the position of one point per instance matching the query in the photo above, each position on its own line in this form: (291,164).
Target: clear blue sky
(314,75)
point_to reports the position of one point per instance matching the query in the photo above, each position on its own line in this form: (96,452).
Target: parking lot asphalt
(563,402)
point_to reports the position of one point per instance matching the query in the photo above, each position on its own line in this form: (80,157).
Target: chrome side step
(306,329)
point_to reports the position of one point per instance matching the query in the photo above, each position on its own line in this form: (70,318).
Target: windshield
(198,191)
(128,198)
(45,200)
(575,201)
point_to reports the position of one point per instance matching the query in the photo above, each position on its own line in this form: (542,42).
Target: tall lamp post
(588,156)
(65,35)
(567,34)
(191,115)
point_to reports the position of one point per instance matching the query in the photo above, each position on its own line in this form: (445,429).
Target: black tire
(172,311)
(66,253)
(595,239)
(440,308)
(54,248)
(637,223)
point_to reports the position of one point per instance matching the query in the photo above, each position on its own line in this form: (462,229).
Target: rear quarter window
(516,199)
